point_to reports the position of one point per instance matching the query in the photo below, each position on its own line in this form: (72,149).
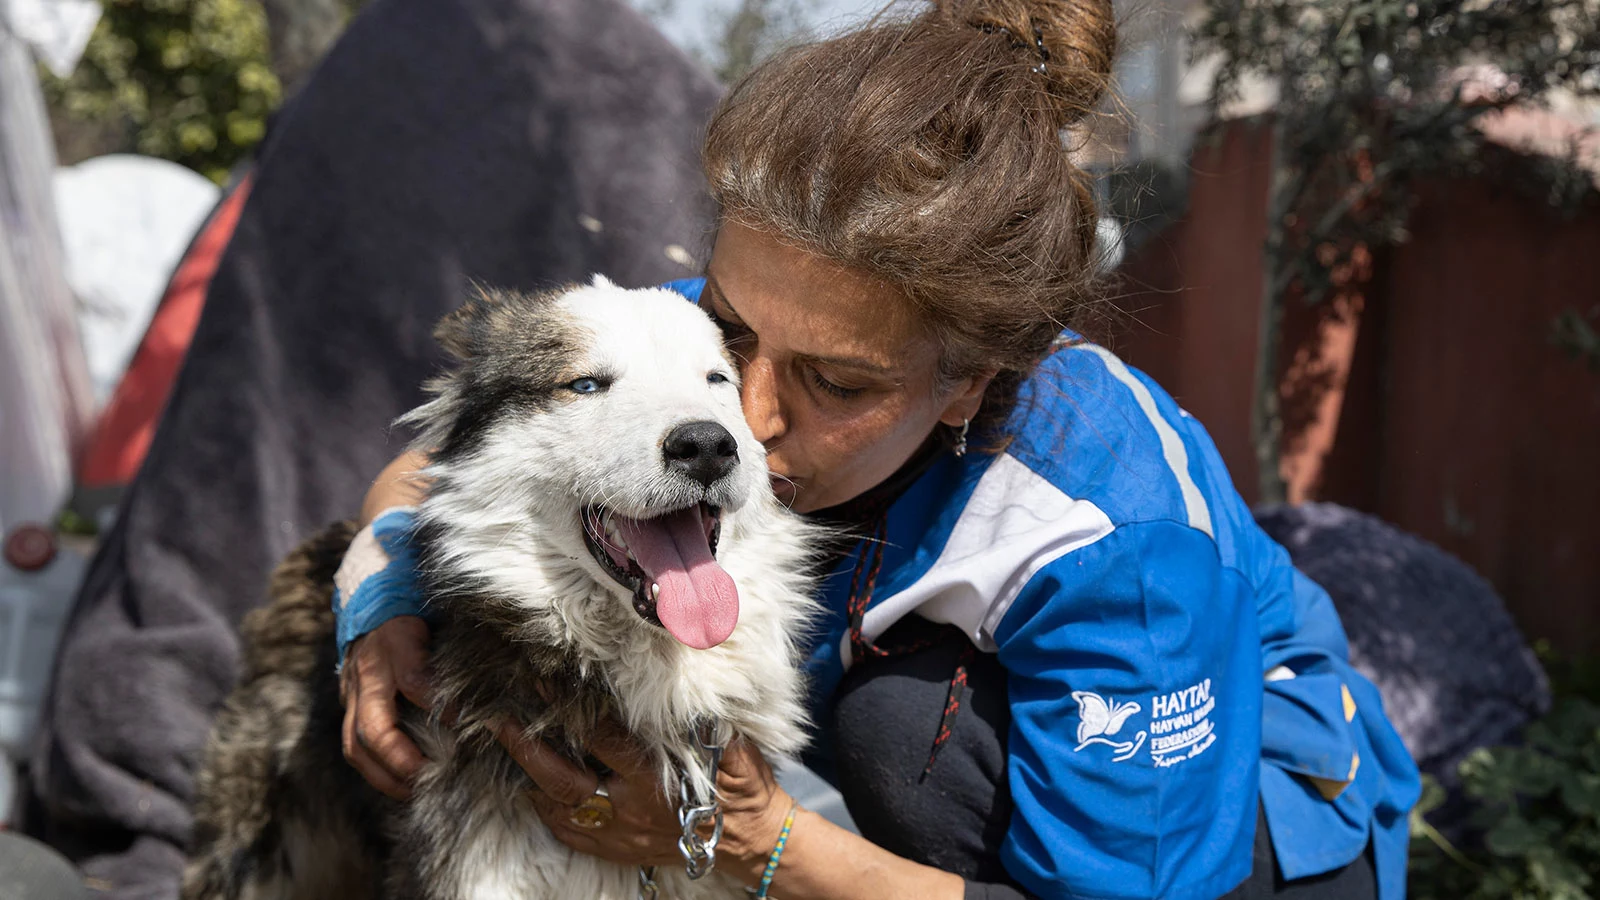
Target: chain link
(700,854)
(648,890)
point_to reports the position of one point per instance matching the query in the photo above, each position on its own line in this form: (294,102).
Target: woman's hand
(821,861)
(390,659)
(644,830)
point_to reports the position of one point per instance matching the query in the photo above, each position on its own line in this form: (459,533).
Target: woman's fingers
(405,641)
(406,646)
(364,763)
(377,719)
(643,828)
(743,761)
(558,778)
(355,752)
(618,750)
(623,841)
(753,803)
(377,725)
(382,664)
(557,816)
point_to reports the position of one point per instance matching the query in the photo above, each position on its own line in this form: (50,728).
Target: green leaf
(1580,791)
(1433,796)
(1513,837)
(1485,777)
(1559,878)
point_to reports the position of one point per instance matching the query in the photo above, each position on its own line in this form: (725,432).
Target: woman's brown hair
(928,152)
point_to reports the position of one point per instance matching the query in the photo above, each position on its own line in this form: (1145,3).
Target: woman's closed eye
(740,340)
(836,390)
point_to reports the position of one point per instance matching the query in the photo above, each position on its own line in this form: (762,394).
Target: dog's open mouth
(669,564)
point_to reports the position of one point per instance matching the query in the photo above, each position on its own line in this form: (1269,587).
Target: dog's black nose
(703,451)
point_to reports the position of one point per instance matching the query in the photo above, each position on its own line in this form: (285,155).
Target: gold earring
(961,439)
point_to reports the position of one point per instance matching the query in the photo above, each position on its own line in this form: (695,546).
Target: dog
(600,543)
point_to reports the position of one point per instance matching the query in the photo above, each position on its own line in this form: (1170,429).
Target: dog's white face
(593,433)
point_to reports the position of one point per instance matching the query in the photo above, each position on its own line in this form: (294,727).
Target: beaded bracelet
(760,893)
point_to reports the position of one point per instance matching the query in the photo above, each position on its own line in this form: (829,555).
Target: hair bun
(1070,43)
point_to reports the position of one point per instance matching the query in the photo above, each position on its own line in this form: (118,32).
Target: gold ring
(594,811)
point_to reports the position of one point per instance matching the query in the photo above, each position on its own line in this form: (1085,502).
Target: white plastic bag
(125,222)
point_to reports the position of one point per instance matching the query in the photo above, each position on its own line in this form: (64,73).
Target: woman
(1115,685)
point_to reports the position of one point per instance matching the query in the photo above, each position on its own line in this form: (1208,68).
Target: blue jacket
(1167,666)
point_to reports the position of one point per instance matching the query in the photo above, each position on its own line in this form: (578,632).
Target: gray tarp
(515,142)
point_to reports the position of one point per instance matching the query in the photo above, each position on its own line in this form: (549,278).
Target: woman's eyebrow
(851,362)
(718,301)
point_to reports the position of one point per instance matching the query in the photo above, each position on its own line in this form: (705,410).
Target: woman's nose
(762,407)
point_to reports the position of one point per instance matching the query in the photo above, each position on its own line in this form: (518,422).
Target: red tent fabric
(123,432)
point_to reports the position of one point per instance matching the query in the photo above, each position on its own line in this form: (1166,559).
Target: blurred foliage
(756,29)
(1535,808)
(743,32)
(1375,96)
(185,80)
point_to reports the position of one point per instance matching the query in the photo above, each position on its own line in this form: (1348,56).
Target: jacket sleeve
(1335,776)
(1135,693)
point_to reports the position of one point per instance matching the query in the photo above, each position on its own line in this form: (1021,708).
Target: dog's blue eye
(585,386)
(716,378)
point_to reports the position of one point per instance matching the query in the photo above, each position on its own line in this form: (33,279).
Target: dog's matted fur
(600,542)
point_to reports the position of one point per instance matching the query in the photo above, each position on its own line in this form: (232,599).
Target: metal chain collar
(699,853)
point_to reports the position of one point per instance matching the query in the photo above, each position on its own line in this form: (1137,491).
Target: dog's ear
(455,331)
(489,311)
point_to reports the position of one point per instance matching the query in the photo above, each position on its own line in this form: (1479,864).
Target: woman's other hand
(644,829)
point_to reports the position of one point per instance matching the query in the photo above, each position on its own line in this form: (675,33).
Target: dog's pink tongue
(698,604)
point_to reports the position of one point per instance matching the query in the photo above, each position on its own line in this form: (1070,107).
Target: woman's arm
(1134,683)
(820,861)
(389,660)
(401,483)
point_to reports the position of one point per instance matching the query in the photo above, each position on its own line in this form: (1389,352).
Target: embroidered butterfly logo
(1099,716)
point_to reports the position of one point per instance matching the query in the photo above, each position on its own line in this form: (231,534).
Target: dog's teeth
(655,591)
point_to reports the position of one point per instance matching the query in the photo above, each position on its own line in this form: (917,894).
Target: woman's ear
(963,406)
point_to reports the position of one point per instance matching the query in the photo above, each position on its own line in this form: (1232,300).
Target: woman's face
(839,376)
